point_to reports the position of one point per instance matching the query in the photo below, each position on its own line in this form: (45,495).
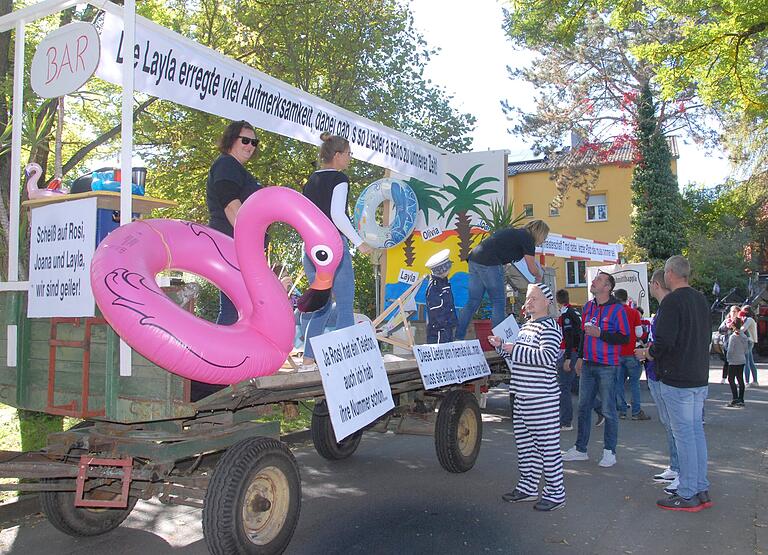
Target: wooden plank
(105,199)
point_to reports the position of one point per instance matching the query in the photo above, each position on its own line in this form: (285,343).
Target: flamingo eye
(322,255)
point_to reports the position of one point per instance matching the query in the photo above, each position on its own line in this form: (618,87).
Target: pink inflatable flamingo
(34,172)
(126,262)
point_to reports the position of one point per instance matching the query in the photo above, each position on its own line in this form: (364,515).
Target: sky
(472,68)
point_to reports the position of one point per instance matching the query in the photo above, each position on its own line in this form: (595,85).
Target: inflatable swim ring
(123,280)
(405,205)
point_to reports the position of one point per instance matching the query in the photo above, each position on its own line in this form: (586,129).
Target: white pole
(126,154)
(18,119)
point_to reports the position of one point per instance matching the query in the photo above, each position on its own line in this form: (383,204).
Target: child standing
(533,379)
(441,313)
(737,357)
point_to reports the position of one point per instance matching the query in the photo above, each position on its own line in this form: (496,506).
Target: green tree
(657,219)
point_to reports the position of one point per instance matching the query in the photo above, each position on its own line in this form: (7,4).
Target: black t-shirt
(503,247)
(319,189)
(228,180)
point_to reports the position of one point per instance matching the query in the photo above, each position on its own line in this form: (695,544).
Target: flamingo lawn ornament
(123,280)
(34,172)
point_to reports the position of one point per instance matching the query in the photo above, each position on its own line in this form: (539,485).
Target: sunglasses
(248,140)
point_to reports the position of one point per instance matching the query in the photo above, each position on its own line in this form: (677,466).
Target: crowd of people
(604,346)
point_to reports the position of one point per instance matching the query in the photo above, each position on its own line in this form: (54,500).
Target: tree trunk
(464,230)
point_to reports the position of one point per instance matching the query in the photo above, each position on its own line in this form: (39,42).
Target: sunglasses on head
(248,140)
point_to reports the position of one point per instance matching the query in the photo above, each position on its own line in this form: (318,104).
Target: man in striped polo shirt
(606,328)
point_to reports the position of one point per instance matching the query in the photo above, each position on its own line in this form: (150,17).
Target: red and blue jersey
(612,320)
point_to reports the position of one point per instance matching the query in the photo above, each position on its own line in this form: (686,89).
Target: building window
(575,273)
(528,209)
(597,209)
(554,211)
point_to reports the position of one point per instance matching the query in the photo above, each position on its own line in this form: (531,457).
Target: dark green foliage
(658,216)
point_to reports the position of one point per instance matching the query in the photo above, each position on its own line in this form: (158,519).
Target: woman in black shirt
(228,185)
(486,268)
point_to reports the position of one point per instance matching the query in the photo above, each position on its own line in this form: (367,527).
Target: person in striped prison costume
(537,402)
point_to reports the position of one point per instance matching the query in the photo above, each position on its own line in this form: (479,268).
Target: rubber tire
(325,440)
(59,508)
(222,509)
(453,406)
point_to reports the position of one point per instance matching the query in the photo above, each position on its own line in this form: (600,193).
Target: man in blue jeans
(605,329)
(681,351)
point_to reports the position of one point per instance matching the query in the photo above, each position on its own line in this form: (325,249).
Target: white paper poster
(61,248)
(355,381)
(633,278)
(447,363)
(508,331)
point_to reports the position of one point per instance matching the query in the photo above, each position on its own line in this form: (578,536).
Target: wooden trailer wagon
(141,437)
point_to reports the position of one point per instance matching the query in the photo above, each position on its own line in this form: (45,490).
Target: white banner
(61,248)
(633,278)
(580,249)
(447,363)
(176,69)
(354,378)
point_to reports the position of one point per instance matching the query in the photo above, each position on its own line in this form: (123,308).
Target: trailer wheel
(253,500)
(458,431)
(59,508)
(325,440)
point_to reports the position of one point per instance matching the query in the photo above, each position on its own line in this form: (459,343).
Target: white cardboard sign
(61,249)
(65,59)
(508,330)
(633,278)
(355,381)
(443,364)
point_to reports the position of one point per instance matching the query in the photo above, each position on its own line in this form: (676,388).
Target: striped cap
(544,288)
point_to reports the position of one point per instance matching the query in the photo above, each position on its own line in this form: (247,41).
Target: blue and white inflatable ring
(405,205)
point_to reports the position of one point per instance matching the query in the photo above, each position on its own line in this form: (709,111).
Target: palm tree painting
(427,196)
(467,197)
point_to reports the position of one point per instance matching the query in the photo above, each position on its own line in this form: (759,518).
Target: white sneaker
(723,382)
(668,475)
(671,489)
(609,459)
(574,454)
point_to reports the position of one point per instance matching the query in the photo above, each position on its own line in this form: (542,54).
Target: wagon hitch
(86,462)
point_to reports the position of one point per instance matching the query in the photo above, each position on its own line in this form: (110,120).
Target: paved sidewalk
(393,497)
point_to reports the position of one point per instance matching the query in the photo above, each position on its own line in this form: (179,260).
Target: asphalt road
(392,496)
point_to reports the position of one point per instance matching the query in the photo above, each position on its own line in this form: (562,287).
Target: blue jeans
(655,387)
(227,311)
(630,367)
(565,379)
(597,379)
(482,279)
(343,292)
(685,406)
(750,364)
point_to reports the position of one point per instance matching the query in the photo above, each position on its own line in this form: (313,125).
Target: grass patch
(288,425)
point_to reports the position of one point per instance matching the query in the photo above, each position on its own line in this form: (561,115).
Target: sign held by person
(448,363)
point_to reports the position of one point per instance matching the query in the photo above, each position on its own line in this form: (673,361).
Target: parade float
(90,334)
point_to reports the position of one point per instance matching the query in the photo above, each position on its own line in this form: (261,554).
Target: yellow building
(606,216)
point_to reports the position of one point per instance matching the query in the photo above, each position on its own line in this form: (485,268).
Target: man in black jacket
(681,351)
(570,324)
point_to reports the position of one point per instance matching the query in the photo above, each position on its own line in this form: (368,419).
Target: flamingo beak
(318,294)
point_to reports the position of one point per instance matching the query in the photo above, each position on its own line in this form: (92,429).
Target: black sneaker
(600,420)
(623,415)
(640,416)
(705,499)
(677,503)
(517,496)
(547,505)
(740,404)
